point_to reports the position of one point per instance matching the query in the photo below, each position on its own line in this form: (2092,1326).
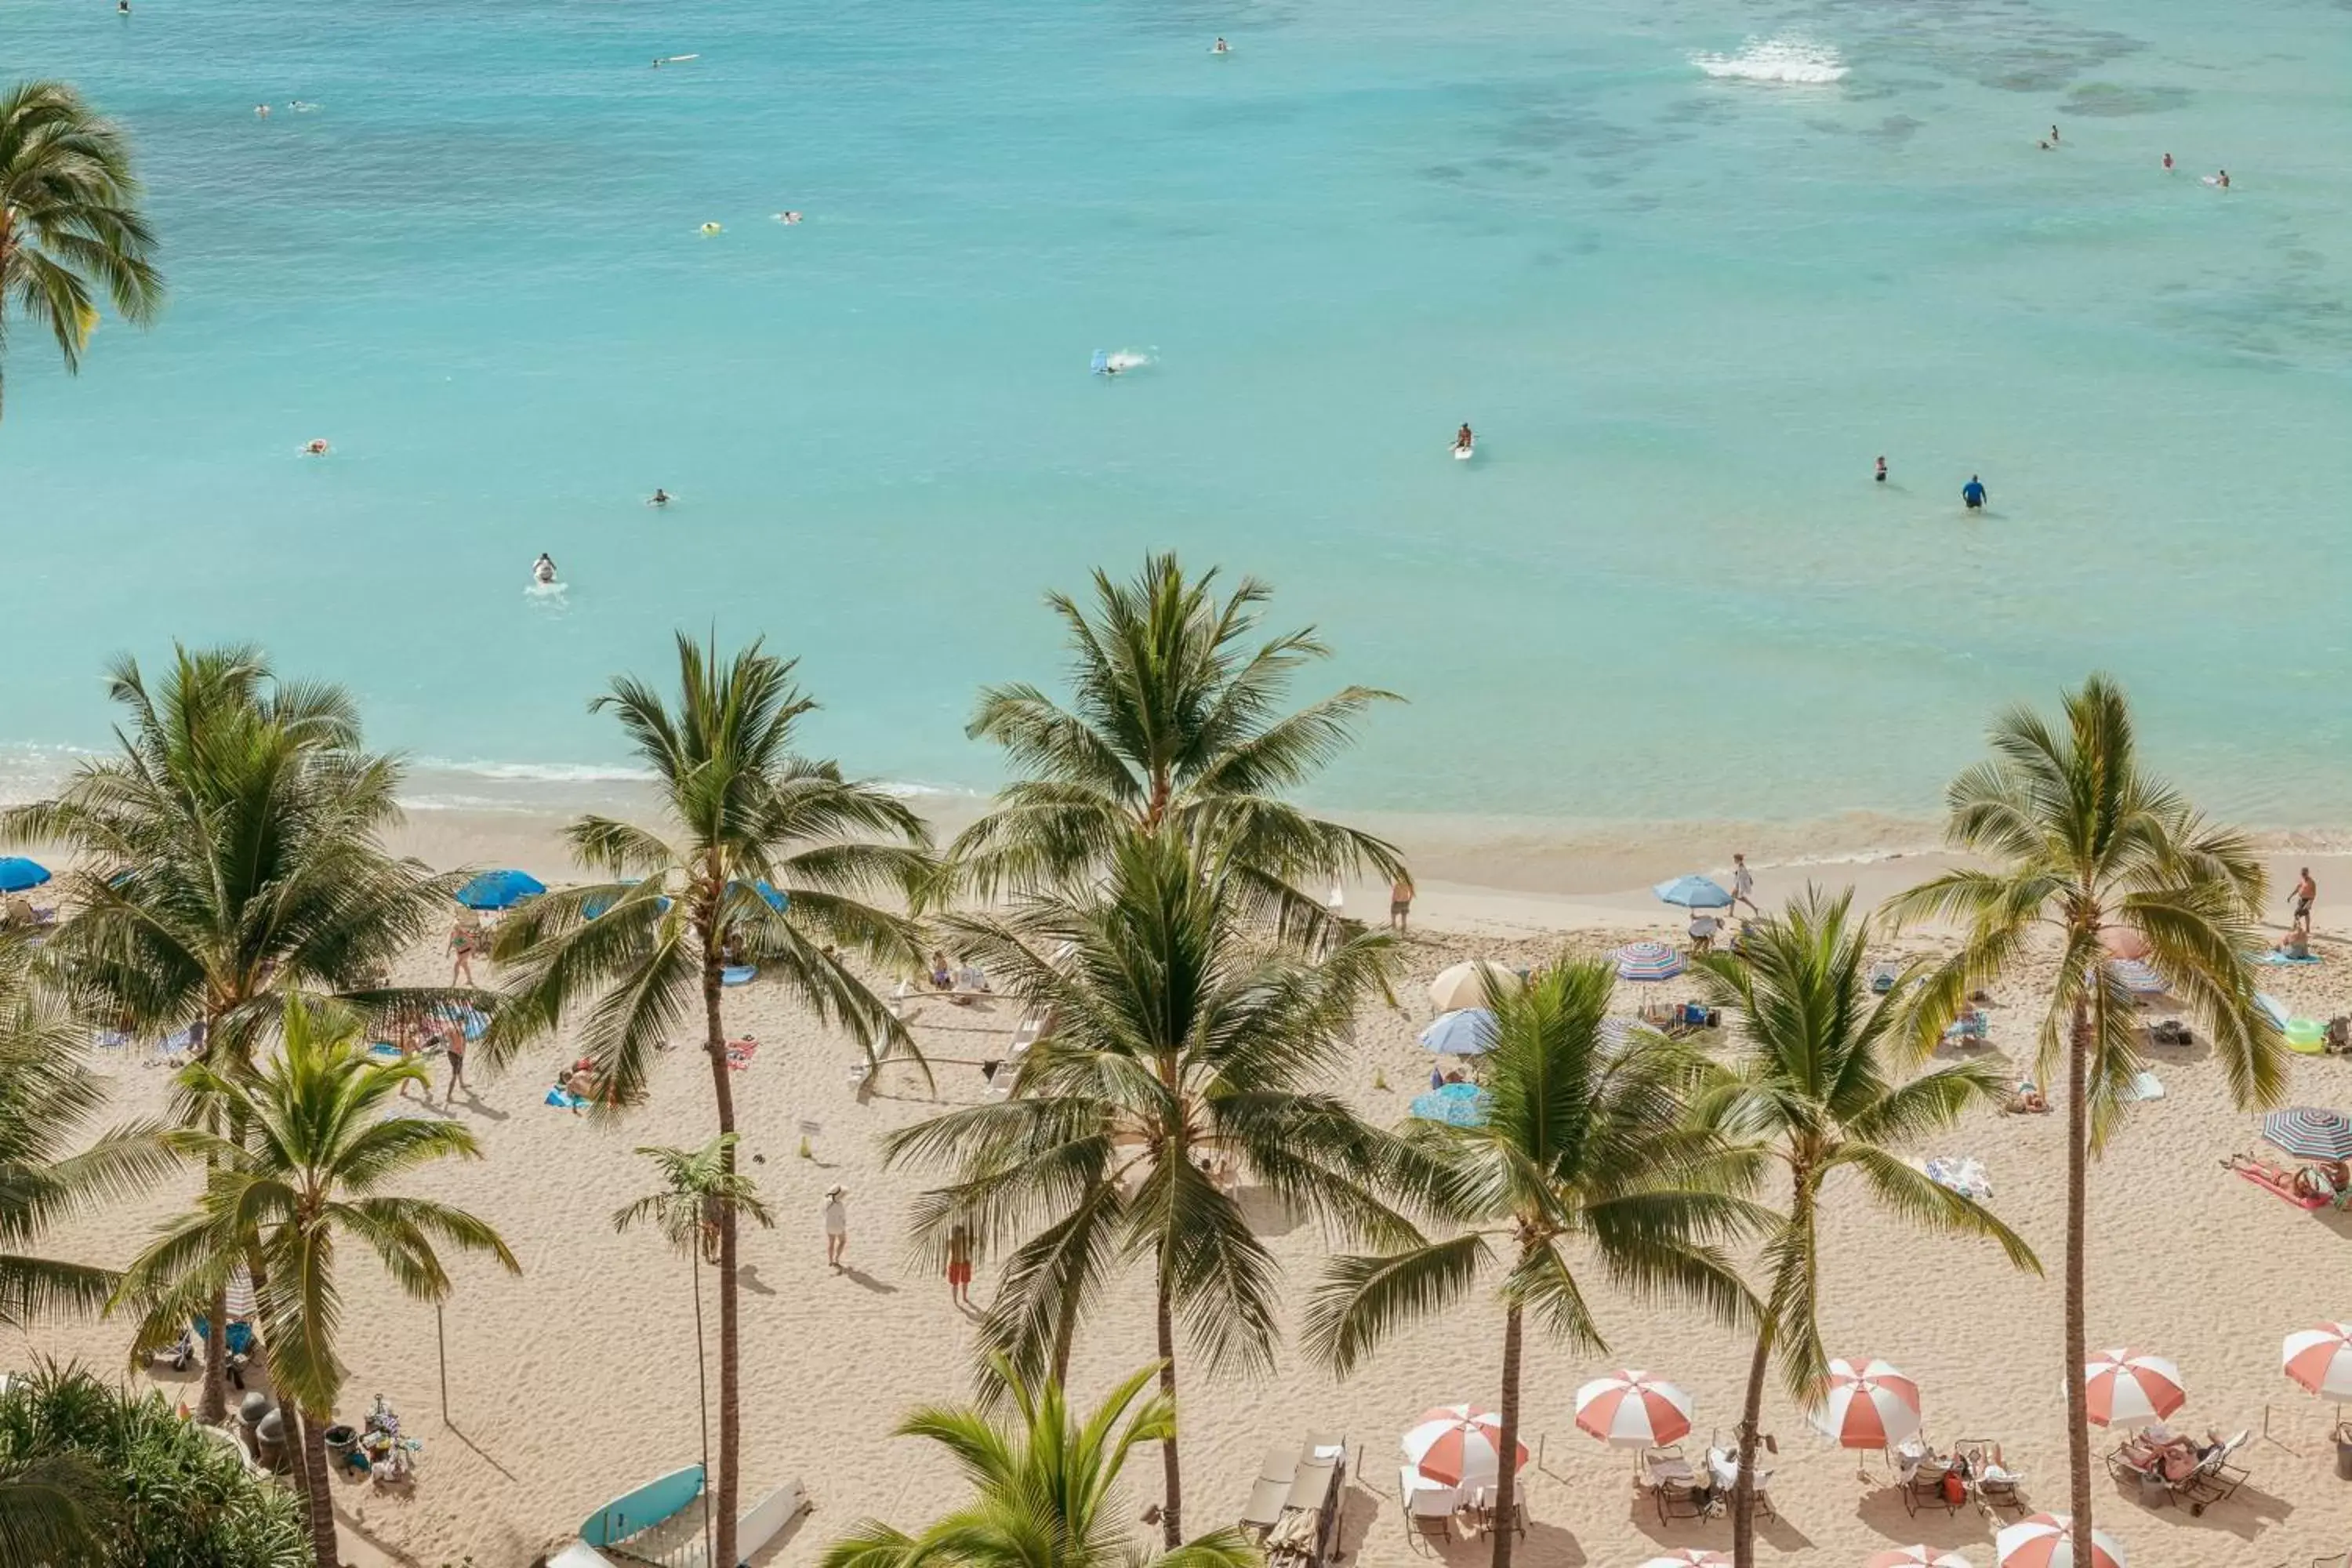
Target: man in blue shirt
(1972,494)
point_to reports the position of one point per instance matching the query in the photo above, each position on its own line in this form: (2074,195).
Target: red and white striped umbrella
(1869,1404)
(1633,1407)
(2047,1541)
(1915,1557)
(1689,1557)
(1456,1445)
(2132,1388)
(2320,1359)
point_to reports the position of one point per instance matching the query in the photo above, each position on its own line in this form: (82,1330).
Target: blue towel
(2275,958)
(738,974)
(563,1098)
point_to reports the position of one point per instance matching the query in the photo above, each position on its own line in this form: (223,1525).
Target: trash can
(2344,1452)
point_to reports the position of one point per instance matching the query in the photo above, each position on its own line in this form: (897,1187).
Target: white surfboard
(1464,454)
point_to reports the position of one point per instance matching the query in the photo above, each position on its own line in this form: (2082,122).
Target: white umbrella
(1632,1408)
(1868,1405)
(2047,1541)
(2132,1388)
(1689,1557)
(1465,985)
(2320,1359)
(1915,1557)
(1458,1444)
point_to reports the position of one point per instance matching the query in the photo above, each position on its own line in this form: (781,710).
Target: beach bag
(1955,1491)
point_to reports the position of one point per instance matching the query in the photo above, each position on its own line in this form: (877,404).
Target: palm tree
(230,852)
(1046,1488)
(311,1171)
(767,854)
(2083,843)
(1584,1142)
(1815,1093)
(697,1184)
(47,1096)
(1175,722)
(70,226)
(1183,1038)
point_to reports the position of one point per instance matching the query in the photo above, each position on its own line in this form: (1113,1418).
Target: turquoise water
(1684,312)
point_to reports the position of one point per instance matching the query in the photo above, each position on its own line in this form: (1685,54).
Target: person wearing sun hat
(836,1226)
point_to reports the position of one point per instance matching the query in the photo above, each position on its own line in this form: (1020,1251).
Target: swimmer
(659,498)
(2044,146)
(261,112)
(123,8)
(788,215)
(315,448)
(1881,475)
(1221,47)
(542,570)
(2221,178)
(1463,439)
(1972,494)
(709,228)
(2054,136)
(2167,162)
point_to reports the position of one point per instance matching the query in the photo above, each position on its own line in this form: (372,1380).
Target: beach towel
(563,1100)
(1964,1175)
(2283,1189)
(741,1052)
(2147,1085)
(2273,957)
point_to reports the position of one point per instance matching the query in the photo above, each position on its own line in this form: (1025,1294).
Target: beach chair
(1429,1508)
(1972,1027)
(2215,1480)
(1925,1487)
(1274,1474)
(1995,1491)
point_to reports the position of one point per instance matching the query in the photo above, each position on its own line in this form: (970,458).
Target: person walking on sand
(463,938)
(836,1226)
(457,1053)
(959,1265)
(1401,904)
(1743,884)
(2306,892)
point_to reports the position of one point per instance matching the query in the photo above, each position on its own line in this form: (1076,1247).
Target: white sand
(576,1382)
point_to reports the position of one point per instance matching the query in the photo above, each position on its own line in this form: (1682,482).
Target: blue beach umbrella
(773,899)
(1465,1031)
(2310,1134)
(1456,1105)
(17,873)
(597,903)
(500,889)
(1648,961)
(1693,893)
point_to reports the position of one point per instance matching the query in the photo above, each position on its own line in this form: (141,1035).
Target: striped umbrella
(2132,1388)
(2047,1541)
(2320,1359)
(1457,1445)
(1648,961)
(2136,977)
(1466,1032)
(1872,1405)
(1689,1557)
(1915,1557)
(2310,1134)
(1633,1409)
(240,1294)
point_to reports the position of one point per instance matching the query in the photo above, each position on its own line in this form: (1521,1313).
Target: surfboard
(1464,454)
(641,1509)
(672,60)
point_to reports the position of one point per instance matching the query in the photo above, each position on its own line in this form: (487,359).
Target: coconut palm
(1046,1488)
(1184,1044)
(228,852)
(2081,844)
(70,227)
(697,1185)
(1584,1160)
(309,1172)
(1815,1093)
(1175,722)
(765,858)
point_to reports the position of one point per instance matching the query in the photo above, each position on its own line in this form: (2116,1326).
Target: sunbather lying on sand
(2027,1100)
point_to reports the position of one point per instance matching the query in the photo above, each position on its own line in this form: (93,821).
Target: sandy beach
(576,1382)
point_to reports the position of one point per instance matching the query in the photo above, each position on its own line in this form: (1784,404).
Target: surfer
(1221,47)
(2221,178)
(1463,440)
(788,215)
(2054,136)
(2167,162)
(542,571)
(659,498)
(1881,475)
(1972,494)
(315,448)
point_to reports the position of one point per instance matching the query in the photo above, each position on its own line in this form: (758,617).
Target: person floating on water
(788,215)
(659,498)
(1881,475)
(542,571)
(2167,162)
(2221,178)
(315,448)
(1463,440)
(1221,47)
(1972,494)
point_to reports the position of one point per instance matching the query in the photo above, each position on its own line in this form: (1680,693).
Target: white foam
(537,773)
(1795,60)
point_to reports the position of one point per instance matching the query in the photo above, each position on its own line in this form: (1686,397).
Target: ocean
(1687,267)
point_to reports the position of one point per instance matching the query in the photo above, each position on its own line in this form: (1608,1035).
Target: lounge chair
(1274,1474)
(1924,1485)
(1997,1490)
(2214,1479)
(1429,1508)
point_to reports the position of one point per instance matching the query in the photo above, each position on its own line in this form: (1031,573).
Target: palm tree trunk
(321,1500)
(1506,1474)
(730,1398)
(2078,1156)
(1169,1469)
(1752,1421)
(702,1385)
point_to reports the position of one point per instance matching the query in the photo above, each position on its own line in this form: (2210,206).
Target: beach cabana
(1466,1032)
(2047,1541)
(1465,985)
(1870,1403)
(501,889)
(1648,961)
(1693,892)
(2127,1388)
(19,875)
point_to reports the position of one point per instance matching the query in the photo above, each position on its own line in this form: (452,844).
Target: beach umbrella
(1689,1557)
(1466,1032)
(1915,1557)
(2320,1359)
(1868,1405)
(1648,961)
(768,895)
(596,904)
(1632,1408)
(2136,977)
(1457,1445)
(1465,985)
(2047,1541)
(239,1293)
(18,874)
(2132,1388)
(1456,1105)
(2310,1134)
(1693,893)
(500,889)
